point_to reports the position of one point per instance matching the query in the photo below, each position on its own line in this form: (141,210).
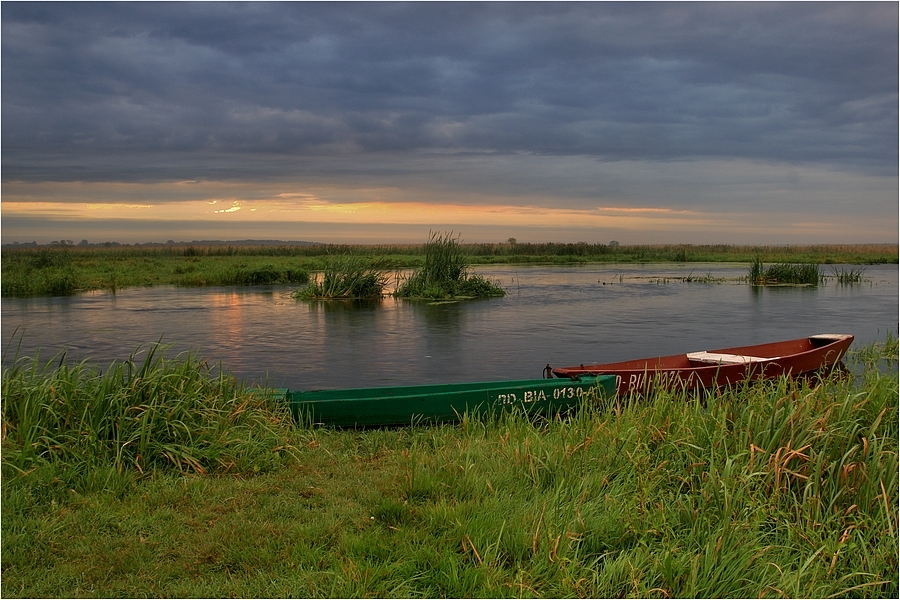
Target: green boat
(405,405)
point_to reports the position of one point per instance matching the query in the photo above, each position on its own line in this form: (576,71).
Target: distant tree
(511,240)
(614,244)
(83,243)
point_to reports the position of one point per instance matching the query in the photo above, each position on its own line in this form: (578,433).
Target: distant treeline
(488,253)
(823,254)
(170,243)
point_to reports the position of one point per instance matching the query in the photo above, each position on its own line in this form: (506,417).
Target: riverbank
(68,269)
(779,489)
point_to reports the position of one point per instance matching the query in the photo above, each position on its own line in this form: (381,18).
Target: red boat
(726,366)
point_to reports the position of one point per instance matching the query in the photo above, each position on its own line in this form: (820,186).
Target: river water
(559,315)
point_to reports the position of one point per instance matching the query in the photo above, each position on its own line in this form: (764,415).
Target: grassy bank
(67,270)
(777,490)
(62,270)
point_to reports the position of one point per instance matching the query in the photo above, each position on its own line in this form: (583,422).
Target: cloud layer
(569,105)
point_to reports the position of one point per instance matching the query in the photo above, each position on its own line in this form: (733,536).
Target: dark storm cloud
(145,91)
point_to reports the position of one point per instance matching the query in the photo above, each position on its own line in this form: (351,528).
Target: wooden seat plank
(728,359)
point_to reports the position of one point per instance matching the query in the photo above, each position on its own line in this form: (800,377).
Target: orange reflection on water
(227,318)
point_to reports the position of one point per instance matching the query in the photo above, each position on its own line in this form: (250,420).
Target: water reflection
(788,291)
(442,318)
(443,339)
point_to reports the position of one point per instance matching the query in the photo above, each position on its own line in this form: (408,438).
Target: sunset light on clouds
(301,208)
(378,122)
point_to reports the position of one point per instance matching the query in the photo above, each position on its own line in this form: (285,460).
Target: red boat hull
(726,366)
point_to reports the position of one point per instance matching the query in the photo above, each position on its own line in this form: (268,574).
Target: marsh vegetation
(784,273)
(67,269)
(848,276)
(62,271)
(149,412)
(445,274)
(346,277)
(167,478)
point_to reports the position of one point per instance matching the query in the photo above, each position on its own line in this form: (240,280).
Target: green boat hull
(405,405)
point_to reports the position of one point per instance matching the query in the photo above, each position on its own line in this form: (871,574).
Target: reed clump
(347,277)
(135,417)
(445,274)
(708,278)
(848,276)
(784,273)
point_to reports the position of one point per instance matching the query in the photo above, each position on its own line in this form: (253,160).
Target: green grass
(65,270)
(83,422)
(347,277)
(784,273)
(445,274)
(781,489)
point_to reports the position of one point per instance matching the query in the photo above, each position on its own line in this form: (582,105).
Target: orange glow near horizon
(255,209)
(310,209)
(257,203)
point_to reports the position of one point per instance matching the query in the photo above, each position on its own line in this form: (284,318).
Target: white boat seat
(727,359)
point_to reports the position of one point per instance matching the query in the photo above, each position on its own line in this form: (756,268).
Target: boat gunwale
(439,389)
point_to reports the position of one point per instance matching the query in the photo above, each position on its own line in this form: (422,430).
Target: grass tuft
(851,276)
(445,275)
(784,273)
(347,277)
(135,417)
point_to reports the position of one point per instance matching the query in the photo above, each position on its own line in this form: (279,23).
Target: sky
(644,123)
